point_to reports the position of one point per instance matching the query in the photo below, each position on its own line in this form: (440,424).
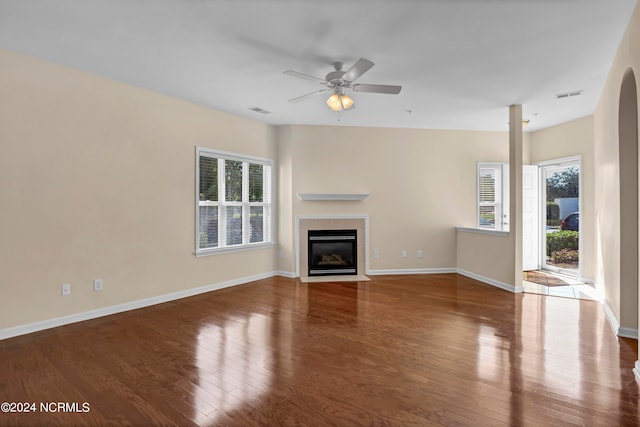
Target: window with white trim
(493,190)
(233,201)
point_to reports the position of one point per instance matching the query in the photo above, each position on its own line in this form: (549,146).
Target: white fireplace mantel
(333,196)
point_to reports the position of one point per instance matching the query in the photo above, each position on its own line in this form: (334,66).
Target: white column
(515,191)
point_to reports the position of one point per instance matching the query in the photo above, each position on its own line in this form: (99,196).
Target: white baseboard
(412,271)
(628,333)
(636,371)
(146,302)
(613,320)
(127,306)
(615,324)
(490,281)
(289,274)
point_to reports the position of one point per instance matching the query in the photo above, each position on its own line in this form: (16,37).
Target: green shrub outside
(553,211)
(562,240)
(565,256)
(554,222)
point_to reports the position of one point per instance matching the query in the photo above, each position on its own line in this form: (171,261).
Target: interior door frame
(531,218)
(543,213)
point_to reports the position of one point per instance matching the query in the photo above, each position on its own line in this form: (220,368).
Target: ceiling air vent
(259,110)
(569,94)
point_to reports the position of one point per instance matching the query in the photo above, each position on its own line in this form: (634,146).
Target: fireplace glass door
(332,252)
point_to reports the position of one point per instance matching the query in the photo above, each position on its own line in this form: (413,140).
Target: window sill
(483,231)
(228,249)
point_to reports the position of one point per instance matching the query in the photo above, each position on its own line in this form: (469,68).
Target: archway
(628,151)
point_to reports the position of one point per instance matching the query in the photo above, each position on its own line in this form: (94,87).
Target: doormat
(543,278)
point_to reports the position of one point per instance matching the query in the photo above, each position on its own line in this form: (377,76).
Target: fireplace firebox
(332,252)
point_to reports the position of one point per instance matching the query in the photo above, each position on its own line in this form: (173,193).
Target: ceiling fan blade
(393,90)
(304,76)
(358,69)
(303,97)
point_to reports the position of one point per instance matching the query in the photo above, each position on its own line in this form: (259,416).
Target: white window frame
(501,196)
(267,203)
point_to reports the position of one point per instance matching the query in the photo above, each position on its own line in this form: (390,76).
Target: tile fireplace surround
(306,223)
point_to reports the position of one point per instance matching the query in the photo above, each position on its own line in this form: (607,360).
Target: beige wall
(284,205)
(97,181)
(574,138)
(607,179)
(487,257)
(422,184)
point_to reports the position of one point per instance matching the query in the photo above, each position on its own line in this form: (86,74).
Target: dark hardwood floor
(399,350)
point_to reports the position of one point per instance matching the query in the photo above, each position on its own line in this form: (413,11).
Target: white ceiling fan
(338,82)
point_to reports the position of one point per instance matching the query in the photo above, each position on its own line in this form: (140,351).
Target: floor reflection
(527,357)
(234,365)
(555,333)
(549,355)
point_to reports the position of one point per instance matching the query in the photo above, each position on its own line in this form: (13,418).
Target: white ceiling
(460,62)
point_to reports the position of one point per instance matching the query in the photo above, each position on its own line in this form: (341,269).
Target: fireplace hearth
(332,252)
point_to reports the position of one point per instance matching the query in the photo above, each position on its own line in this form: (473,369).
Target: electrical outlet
(404,253)
(376,254)
(97,285)
(419,254)
(66,289)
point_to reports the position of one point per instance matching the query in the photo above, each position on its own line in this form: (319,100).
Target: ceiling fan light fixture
(346,101)
(339,102)
(338,82)
(334,102)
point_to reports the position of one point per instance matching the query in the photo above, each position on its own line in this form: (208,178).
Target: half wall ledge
(333,196)
(483,231)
